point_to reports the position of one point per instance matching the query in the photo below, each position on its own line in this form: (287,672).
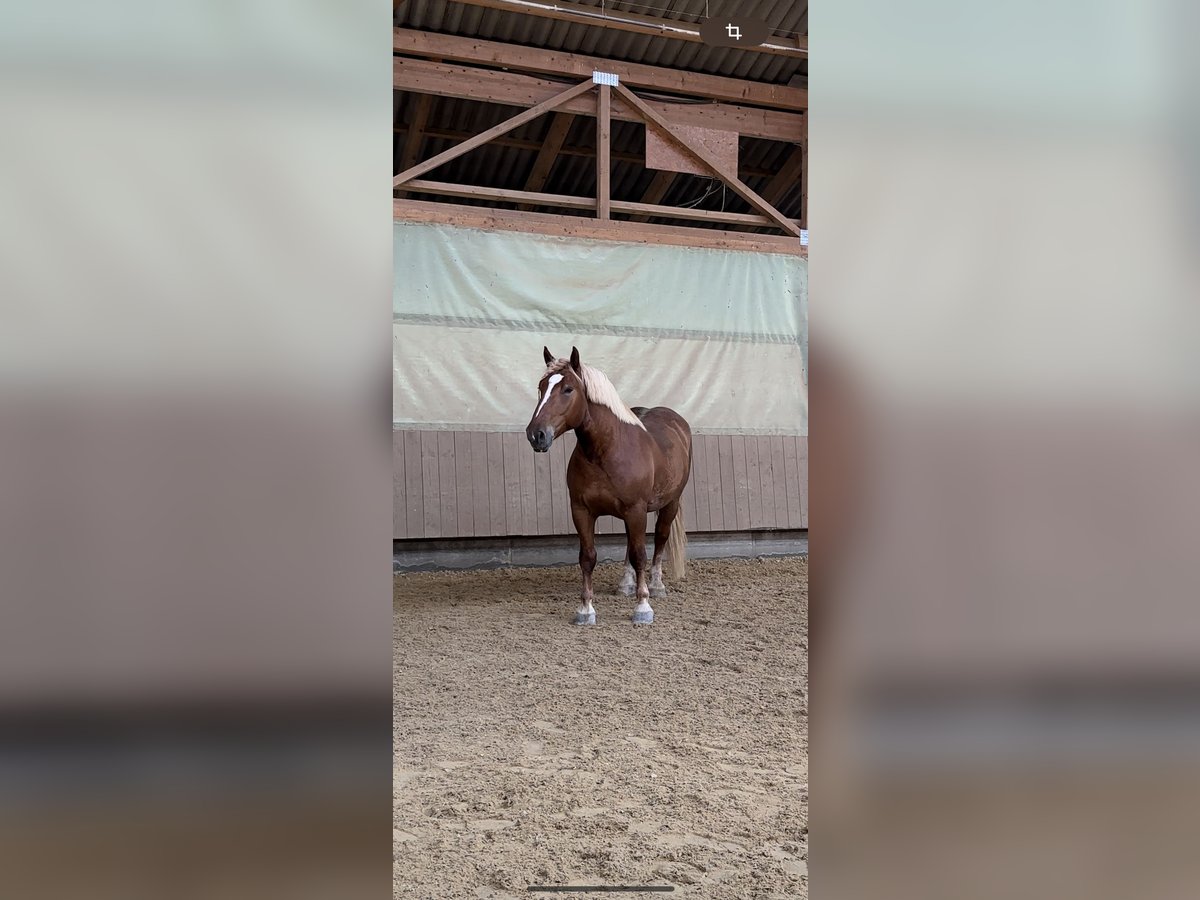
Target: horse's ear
(547,355)
(575,360)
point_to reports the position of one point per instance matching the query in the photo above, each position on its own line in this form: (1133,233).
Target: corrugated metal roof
(786,17)
(507,162)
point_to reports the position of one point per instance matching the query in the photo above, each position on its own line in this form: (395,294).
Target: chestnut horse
(627,463)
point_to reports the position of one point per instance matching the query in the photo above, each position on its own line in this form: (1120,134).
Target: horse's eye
(568,390)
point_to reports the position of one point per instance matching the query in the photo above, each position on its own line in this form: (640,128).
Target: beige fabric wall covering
(720,336)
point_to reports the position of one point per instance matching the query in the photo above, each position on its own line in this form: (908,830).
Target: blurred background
(195,485)
(194,284)
(1005,489)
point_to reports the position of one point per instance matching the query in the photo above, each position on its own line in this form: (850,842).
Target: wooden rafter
(729,177)
(787,176)
(504,127)
(553,62)
(416,129)
(465,82)
(639,24)
(656,190)
(549,151)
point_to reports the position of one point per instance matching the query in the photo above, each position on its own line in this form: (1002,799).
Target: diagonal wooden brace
(503,128)
(738,187)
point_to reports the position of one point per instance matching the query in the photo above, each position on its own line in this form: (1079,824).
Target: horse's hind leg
(635,530)
(629,579)
(585,524)
(662,534)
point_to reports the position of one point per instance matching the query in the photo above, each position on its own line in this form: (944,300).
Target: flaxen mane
(599,390)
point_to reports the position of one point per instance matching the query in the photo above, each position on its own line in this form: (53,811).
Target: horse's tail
(677,546)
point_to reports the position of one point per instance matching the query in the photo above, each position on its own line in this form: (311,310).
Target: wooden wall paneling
(528,465)
(430,487)
(728,489)
(781,486)
(497,508)
(741,491)
(414,499)
(464,483)
(792,467)
(767,480)
(753,482)
(716,509)
(399,495)
(700,482)
(688,498)
(514,485)
(447,484)
(479,486)
(802,446)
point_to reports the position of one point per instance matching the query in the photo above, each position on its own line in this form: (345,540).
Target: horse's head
(562,401)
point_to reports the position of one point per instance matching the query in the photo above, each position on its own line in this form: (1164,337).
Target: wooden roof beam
(638,159)
(488,85)
(634,22)
(406,210)
(569,201)
(553,62)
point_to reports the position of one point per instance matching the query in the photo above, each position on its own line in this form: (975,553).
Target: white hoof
(584,618)
(643,614)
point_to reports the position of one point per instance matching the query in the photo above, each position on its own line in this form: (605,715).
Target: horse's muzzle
(540,439)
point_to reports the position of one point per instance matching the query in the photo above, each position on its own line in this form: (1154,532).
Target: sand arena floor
(529,751)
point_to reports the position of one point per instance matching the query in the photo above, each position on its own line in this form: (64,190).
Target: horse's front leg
(635,530)
(585,524)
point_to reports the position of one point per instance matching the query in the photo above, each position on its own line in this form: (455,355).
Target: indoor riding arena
(651,215)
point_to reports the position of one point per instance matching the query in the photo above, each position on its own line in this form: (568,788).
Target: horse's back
(674,438)
(664,423)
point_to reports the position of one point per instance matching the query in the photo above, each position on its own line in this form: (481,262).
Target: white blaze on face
(554,379)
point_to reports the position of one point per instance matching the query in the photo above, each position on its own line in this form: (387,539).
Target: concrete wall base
(563,550)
